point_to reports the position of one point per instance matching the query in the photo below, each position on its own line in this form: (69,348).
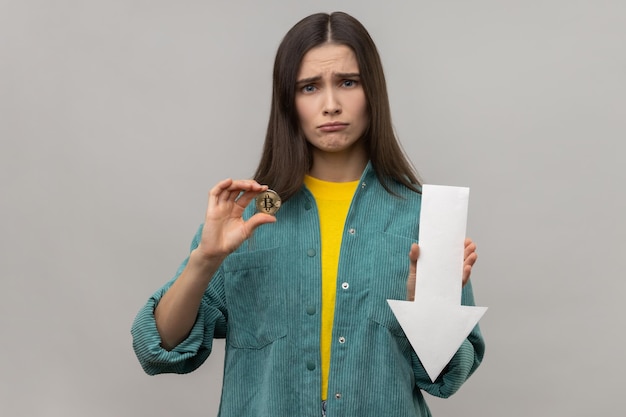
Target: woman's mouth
(332,127)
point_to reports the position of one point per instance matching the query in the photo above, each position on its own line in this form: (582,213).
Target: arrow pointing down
(436,323)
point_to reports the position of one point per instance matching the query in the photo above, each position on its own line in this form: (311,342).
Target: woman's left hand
(469,259)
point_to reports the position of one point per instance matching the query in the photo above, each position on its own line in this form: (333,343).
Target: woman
(302,302)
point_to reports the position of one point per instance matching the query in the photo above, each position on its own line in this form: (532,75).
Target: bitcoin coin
(268,202)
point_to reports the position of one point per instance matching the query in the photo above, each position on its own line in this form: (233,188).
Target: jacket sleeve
(191,352)
(462,365)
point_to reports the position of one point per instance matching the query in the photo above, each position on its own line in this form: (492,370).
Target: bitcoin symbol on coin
(268,203)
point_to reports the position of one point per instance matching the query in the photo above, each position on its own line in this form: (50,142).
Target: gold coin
(268,202)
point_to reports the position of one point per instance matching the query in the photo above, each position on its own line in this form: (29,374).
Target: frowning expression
(330,100)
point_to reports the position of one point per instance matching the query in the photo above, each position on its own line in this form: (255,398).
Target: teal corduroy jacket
(265,300)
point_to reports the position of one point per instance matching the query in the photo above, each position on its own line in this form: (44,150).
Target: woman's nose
(331,104)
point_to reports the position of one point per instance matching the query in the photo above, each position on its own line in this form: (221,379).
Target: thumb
(410,282)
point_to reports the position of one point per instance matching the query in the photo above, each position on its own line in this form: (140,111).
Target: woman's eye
(349,83)
(308,89)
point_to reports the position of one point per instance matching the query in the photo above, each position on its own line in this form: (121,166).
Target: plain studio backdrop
(117,117)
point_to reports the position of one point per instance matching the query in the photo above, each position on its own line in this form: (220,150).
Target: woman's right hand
(224,228)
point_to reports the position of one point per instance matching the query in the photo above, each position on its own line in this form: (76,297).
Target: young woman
(300,296)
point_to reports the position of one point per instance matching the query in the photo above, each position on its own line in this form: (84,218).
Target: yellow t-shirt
(333,202)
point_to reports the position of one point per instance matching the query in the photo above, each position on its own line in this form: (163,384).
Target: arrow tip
(435,330)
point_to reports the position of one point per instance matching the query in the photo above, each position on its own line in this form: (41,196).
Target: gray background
(117,117)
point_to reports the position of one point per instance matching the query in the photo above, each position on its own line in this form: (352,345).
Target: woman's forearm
(176,312)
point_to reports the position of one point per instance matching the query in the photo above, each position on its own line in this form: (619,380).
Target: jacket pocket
(390,269)
(255,299)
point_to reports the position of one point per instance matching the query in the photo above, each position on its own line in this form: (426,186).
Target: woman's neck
(340,166)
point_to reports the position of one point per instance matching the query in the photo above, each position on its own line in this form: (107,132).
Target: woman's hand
(224,228)
(469,259)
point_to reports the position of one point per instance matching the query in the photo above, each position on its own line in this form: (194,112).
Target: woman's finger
(411,279)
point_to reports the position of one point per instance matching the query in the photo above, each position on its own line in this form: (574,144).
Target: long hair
(287,156)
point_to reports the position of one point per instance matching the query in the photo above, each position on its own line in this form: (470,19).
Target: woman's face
(330,100)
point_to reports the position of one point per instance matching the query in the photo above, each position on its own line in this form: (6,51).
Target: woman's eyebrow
(309,80)
(347,75)
(335,75)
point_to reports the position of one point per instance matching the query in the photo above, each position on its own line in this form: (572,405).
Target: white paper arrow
(436,323)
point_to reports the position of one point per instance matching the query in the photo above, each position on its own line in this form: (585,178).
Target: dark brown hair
(286,154)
